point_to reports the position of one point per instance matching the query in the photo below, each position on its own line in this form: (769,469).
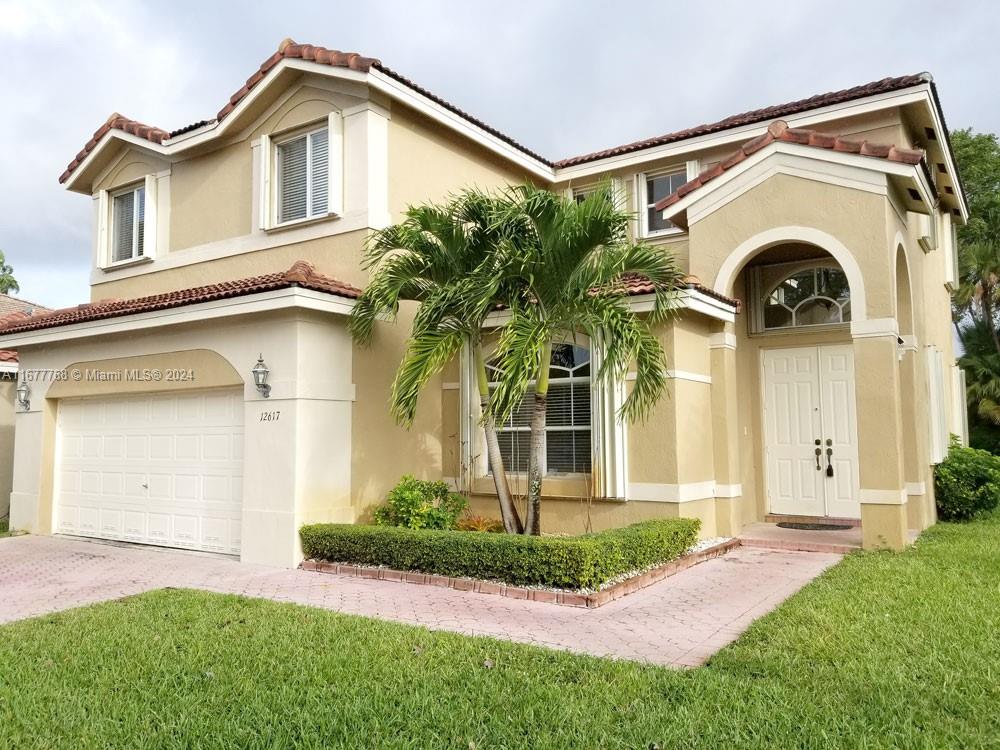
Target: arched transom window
(567,431)
(811,297)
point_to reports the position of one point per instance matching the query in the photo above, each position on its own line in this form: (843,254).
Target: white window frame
(270,181)
(105,228)
(589,380)
(642,206)
(758,293)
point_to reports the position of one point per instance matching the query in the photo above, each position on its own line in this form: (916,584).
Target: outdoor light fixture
(260,372)
(23,394)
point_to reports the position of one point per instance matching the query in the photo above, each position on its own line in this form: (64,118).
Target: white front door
(808,407)
(164,468)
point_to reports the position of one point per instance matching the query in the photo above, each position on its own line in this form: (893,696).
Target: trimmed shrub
(479,523)
(419,504)
(966,483)
(578,562)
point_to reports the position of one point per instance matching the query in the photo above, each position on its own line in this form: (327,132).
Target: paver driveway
(680,621)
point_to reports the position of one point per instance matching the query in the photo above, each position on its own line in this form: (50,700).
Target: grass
(884,650)
(4,528)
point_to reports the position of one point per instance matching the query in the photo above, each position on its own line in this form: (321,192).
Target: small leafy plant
(472,522)
(420,504)
(966,483)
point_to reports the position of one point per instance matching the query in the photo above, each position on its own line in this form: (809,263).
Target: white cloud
(561,77)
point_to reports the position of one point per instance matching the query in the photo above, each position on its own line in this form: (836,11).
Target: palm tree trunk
(533,520)
(508,511)
(991,322)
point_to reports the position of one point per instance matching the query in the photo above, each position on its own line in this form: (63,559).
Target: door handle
(829,455)
(819,452)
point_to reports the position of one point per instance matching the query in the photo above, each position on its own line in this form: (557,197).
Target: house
(210,397)
(10,308)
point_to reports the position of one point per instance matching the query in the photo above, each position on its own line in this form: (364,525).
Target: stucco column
(297,463)
(880,440)
(725,432)
(920,501)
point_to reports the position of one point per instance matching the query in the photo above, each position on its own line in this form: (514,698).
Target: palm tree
(446,258)
(571,260)
(8,283)
(978,294)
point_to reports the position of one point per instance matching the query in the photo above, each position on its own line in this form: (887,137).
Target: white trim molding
(916,488)
(693,377)
(671,493)
(874,328)
(279,299)
(722,340)
(883,497)
(729,490)
(750,247)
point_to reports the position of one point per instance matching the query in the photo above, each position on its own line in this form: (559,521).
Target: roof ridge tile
(290,49)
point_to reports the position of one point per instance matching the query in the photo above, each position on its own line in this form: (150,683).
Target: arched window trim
(758,294)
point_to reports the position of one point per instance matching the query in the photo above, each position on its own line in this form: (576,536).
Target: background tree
(8,283)
(569,260)
(976,302)
(446,258)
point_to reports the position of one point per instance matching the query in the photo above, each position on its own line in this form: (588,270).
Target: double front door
(811,431)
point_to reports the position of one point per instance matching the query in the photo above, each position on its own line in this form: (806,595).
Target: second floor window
(128,224)
(658,187)
(303,181)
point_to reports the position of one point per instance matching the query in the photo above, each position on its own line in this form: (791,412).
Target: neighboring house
(815,336)
(11,308)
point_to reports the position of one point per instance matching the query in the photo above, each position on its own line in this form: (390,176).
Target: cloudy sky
(561,77)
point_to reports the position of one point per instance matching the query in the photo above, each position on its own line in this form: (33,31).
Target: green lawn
(883,651)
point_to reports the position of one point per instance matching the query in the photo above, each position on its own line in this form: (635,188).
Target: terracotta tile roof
(758,115)
(636,285)
(6,355)
(301,274)
(288,49)
(9,304)
(115,122)
(779,131)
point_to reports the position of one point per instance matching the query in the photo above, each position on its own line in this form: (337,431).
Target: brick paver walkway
(680,621)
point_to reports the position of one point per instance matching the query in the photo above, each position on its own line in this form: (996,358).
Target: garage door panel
(160,469)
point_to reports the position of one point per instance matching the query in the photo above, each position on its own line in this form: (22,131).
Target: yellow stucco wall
(7,396)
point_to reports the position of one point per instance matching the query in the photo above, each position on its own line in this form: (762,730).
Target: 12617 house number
(269,416)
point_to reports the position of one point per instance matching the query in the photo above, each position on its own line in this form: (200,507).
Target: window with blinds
(303,176)
(128,214)
(567,431)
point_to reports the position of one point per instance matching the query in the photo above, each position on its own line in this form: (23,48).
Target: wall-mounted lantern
(260,372)
(23,393)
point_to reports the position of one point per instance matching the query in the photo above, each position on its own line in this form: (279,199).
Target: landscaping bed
(609,592)
(576,563)
(884,650)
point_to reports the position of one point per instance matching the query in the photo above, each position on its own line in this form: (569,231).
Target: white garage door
(162,469)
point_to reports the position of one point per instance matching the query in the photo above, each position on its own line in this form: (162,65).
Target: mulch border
(547,596)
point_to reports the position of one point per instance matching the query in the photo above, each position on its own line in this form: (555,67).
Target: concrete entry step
(770,536)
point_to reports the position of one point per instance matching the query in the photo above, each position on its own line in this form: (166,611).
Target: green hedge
(966,483)
(579,562)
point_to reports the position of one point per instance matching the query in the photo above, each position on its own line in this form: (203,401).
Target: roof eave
(677,212)
(374,79)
